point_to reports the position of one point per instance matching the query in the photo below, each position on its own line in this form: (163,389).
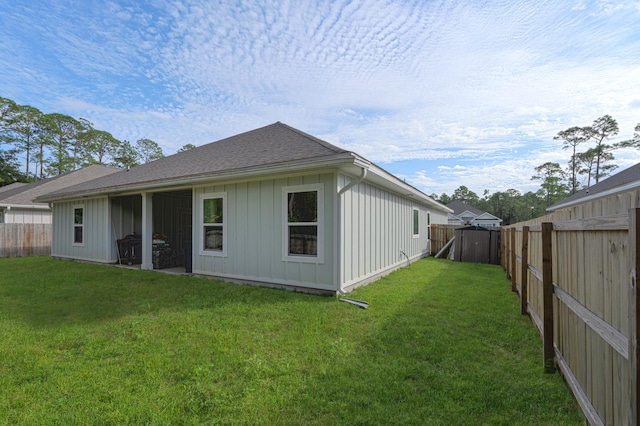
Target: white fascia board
(190,181)
(488,216)
(385,179)
(25,206)
(624,188)
(467,213)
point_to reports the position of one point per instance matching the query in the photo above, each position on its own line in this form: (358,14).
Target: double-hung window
(416,223)
(78,225)
(213,211)
(303,208)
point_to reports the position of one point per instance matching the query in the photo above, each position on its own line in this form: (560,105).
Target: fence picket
(524,267)
(25,239)
(634,317)
(573,285)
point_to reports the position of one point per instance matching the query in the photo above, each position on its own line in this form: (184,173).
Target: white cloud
(484,86)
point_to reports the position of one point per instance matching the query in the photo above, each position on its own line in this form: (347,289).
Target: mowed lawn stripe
(441,343)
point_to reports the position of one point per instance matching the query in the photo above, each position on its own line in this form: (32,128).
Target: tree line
(594,163)
(35,145)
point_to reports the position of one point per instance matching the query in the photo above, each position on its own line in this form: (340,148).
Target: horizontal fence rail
(25,239)
(575,274)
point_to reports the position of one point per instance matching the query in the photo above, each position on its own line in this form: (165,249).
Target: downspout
(354,182)
(363,175)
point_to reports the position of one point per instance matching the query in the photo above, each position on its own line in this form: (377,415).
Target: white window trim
(413,225)
(75,225)
(429,225)
(286,257)
(2,215)
(208,196)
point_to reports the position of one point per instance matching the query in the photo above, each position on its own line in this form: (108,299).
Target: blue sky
(440,93)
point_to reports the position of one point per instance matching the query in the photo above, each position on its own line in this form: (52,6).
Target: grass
(442,343)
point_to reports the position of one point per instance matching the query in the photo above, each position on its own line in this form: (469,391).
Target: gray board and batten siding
(97,245)
(256,234)
(368,221)
(376,228)
(377,232)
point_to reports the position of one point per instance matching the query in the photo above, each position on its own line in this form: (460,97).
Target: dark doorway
(171,228)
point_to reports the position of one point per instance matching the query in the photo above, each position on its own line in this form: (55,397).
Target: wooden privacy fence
(25,239)
(440,235)
(577,280)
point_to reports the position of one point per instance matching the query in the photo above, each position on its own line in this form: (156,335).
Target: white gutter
(403,188)
(334,161)
(25,206)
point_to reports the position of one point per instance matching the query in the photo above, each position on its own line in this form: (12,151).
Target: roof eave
(623,188)
(25,206)
(332,161)
(405,189)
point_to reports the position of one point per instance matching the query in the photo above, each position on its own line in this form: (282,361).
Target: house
(624,181)
(465,215)
(17,201)
(273,206)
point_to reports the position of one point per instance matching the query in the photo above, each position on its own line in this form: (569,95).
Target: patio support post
(147,230)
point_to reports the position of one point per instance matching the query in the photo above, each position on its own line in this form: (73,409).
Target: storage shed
(475,244)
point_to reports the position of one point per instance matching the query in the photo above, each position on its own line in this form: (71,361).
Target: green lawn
(442,343)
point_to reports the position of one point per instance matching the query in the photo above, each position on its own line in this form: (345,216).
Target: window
(303,211)
(78,225)
(428,225)
(1,215)
(213,208)
(416,222)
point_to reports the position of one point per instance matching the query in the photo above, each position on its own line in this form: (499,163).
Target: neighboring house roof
(11,187)
(267,150)
(462,211)
(625,180)
(24,195)
(487,216)
(459,207)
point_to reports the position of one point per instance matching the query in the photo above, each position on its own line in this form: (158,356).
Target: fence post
(507,253)
(502,250)
(634,318)
(525,271)
(514,273)
(547,298)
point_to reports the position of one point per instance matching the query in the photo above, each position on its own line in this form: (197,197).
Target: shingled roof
(622,181)
(459,207)
(266,147)
(11,186)
(25,194)
(276,148)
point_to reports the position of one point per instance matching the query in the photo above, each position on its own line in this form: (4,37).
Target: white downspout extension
(354,182)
